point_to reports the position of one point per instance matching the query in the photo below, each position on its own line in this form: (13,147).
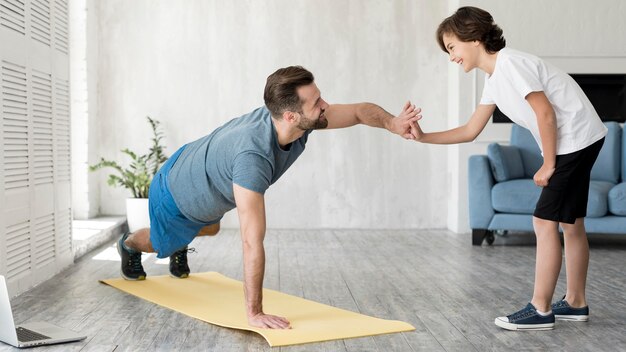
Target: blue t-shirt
(244,151)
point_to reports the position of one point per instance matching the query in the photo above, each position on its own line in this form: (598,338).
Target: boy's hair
(281,89)
(471,23)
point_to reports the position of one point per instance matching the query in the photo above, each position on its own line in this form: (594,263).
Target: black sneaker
(178,263)
(526,319)
(131,261)
(563,311)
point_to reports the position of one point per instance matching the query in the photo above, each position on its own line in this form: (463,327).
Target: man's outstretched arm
(346,115)
(251,210)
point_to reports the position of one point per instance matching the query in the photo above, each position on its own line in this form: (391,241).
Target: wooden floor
(449,290)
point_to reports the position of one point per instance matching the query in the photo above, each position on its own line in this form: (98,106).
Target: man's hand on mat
(401,125)
(267,321)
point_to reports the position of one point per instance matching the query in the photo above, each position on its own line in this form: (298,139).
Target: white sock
(543,314)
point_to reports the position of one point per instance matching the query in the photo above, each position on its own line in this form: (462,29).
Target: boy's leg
(576,262)
(547,267)
(548,262)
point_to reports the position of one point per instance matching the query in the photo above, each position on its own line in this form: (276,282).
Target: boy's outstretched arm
(461,134)
(346,115)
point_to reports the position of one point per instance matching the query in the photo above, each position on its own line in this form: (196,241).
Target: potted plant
(137,177)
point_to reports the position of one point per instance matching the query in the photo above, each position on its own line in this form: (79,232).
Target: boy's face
(463,53)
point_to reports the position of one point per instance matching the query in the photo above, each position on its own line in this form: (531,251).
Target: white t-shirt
(517,74)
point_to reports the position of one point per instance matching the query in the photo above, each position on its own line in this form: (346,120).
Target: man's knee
(209,230)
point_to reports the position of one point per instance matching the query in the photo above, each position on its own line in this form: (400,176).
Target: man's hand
(267,321)
(542,176)
(403,124)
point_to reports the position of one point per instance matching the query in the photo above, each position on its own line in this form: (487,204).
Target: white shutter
(40,21)
(62,130)
(12,15)
(42,127)
(35,211)
(61,26)
(44,239)
(18,250)
(15,126)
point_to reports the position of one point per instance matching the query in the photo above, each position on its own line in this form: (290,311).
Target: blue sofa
(502,194)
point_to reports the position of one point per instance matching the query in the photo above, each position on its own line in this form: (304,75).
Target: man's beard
(307,124)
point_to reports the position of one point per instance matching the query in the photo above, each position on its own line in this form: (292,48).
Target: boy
(548,102)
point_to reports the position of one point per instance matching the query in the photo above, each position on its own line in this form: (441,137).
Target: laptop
(31,334)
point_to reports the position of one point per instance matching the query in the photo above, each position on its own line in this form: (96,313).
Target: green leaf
(142,168)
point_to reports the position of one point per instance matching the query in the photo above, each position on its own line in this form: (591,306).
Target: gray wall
(194,65)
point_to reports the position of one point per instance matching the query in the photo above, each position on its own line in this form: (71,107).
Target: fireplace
(607,93)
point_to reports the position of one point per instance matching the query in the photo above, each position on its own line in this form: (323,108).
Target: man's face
(313,107)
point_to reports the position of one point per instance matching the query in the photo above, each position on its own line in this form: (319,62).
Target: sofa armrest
(480,183)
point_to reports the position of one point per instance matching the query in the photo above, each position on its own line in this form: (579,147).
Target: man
(233,167)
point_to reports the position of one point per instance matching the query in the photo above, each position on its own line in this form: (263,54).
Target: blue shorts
(170,230)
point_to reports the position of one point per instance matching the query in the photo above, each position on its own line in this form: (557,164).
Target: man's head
(291,93)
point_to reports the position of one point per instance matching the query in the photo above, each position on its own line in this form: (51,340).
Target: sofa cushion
(515,196)
(617,199)
(521,196)
(529,150)
(506,162)
(607,166)
(598,203)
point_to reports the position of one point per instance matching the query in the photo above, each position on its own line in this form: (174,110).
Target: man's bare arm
(251,210)
(346,115)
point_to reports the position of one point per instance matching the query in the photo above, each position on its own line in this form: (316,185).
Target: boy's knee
(576,227)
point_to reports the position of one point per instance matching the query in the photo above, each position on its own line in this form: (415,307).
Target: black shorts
(565,197)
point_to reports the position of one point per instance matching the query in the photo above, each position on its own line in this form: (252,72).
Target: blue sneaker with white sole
(526,319)
(563,311)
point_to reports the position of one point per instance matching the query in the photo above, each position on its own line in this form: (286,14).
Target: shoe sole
(179,277)
(582,318)
(119,251)
(523,327)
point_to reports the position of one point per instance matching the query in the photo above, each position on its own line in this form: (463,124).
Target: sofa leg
(478,235)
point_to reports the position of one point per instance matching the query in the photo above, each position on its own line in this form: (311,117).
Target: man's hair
(281,89)
(471,23)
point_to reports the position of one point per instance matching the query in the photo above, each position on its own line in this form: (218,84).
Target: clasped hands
(405,124)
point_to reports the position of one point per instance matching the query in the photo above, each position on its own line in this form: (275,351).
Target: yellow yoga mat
(219,300)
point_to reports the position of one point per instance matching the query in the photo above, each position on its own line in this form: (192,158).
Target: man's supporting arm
(251,210)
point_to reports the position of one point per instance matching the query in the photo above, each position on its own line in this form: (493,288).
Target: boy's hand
(416,131)
(542,176)
(401,125)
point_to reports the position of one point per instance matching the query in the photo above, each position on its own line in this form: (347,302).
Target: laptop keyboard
(25,335)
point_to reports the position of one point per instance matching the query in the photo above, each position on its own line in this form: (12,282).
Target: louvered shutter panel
(12,15)
(35,210)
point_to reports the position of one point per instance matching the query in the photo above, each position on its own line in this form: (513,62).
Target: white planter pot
(137,213)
